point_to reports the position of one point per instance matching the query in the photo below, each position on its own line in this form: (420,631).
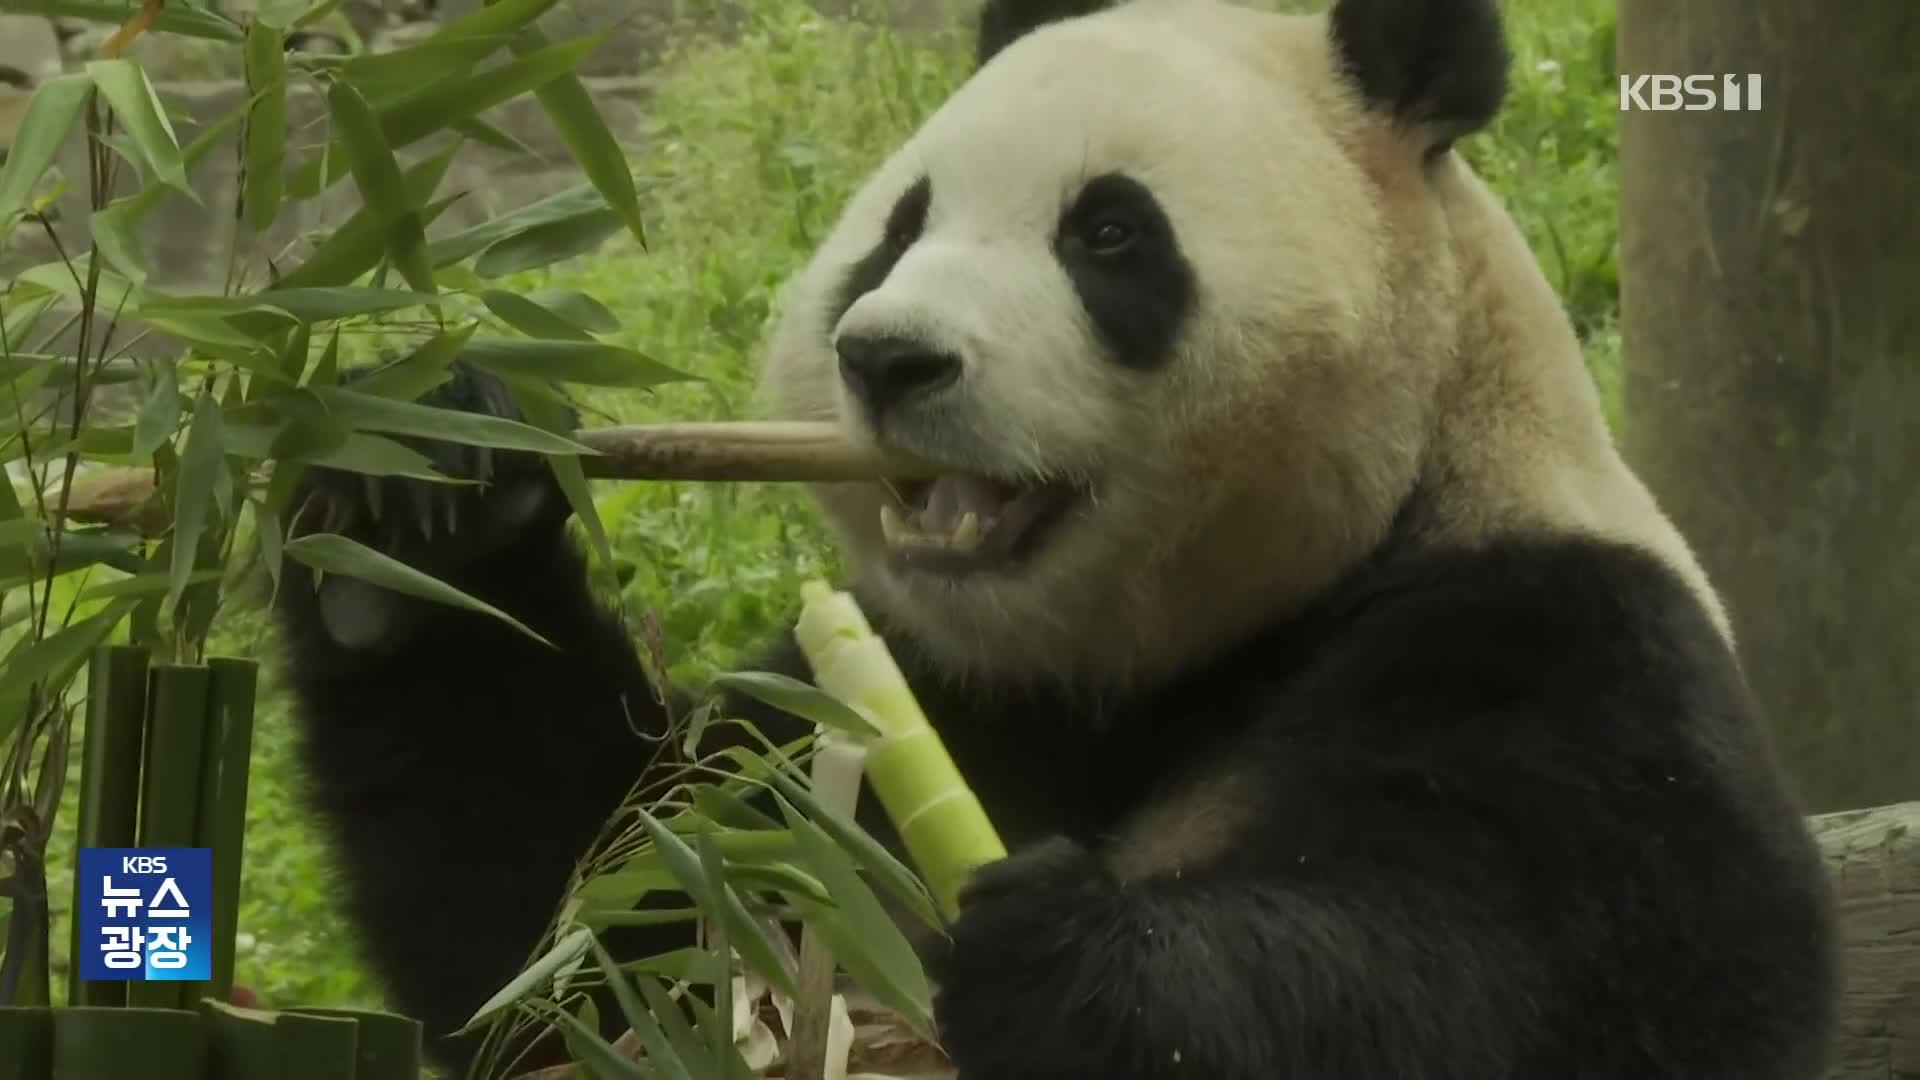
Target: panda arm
(464,773)
(1485,836)
(462,767)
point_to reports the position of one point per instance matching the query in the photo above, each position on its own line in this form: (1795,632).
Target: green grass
(757,144)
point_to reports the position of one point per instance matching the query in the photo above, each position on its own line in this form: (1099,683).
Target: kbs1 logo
(1693,93)
(144,914)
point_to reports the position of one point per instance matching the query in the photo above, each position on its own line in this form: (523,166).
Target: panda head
(1193,301)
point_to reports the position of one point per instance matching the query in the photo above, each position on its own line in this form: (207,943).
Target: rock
(29,54)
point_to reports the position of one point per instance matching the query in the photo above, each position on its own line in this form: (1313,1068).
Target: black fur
(1438,64)
(1002,22)
(905,222)
(1138,293)
(1513,820)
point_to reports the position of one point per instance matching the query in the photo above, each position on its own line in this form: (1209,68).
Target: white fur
(1361,326)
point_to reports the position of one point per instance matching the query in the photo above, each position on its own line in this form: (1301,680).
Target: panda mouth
(963,522)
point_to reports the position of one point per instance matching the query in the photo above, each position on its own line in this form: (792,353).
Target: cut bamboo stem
(763,450)
(938,817)
(111,1043)
(109,785)
(837,768)
(170,788)
(221,823)
(26,1042)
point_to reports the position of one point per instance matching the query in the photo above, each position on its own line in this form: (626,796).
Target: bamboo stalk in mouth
(776,451)
(763,450)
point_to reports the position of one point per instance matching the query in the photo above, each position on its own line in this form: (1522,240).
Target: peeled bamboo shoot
(945,830)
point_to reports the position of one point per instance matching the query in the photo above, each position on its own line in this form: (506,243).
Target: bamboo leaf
(49,118)
(266,133)
(723,807)
(526,315)
(660,1054)
(496,21)
(335,554)
(368,413)
(306,305)
(585,132)
(201,465)
(715,868)
(868,943)
(386,74)
(145,584)
(578,309)
(421,370)
(369,155)
(116,234)
(354,247)
(546,244)
(159,417)
(125,86)
(719,900)
(437,105)
(564,952)
(803,700)
(606,1062)
(32,660)
(590,362)
(900,881)
(186,21)
(540,406)
(575,201)
(673,1020)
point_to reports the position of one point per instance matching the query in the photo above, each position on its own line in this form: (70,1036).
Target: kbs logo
(1693,93)
(144,914)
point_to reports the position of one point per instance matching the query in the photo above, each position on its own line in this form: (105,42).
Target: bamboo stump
(1874,857)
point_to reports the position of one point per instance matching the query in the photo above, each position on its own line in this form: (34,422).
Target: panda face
(1131,286)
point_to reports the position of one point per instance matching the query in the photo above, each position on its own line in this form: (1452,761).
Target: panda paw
(1030,941)
(432,525)
(442,529)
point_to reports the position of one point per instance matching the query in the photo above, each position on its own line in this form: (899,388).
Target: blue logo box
(145,914)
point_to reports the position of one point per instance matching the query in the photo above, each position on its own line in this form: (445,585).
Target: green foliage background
(756,143)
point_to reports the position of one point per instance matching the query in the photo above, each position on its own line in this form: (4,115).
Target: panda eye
(1109,237)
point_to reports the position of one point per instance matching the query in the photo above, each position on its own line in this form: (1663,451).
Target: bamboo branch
(764,450)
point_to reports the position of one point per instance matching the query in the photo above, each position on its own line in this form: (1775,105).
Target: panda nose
(883,371)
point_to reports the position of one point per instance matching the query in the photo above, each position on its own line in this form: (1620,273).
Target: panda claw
(371,484)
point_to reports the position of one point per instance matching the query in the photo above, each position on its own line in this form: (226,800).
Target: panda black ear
(1440,65)
(1003,22)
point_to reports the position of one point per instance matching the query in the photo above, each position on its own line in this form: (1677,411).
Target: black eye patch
(1118,248)
(905,222)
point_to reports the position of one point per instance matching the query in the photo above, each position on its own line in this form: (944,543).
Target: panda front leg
(1058,969)
(462,767)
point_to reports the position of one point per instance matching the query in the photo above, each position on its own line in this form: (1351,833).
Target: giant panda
(1350,709)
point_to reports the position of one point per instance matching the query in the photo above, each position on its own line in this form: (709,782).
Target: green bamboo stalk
(253,1044)
(109,809)
(938,817)
(389,1047)
(115,1043)
(26,1042)
(170,789)
(221,821)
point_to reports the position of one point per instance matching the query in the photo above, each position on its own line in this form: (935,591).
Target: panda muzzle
(974,518)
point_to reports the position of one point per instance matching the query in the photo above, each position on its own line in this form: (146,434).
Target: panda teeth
(966,535)
(898,532)
(893,527)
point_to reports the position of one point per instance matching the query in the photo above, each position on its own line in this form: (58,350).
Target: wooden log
(1874,857)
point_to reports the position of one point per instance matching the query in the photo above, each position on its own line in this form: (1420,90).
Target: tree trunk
(1874,859)
(1770,296)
